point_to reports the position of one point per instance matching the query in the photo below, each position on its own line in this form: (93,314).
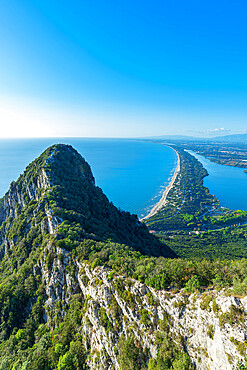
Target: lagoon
(229,184)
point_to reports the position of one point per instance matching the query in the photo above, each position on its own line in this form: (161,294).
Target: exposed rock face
(16,200)
(211,325)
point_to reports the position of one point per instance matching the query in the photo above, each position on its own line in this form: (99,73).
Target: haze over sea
(133,174)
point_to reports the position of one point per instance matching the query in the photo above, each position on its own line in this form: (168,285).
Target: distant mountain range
(234,138)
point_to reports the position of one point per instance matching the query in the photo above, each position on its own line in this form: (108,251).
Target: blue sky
(122,68)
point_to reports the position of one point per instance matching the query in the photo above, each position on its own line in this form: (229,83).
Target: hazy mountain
(234,138)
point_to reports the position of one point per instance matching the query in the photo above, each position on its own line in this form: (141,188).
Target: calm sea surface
(133,174)
(229,184)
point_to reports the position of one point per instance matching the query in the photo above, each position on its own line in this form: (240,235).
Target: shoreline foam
(162,201)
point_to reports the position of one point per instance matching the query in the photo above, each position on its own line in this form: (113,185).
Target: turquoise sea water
(229,184)
(133,174)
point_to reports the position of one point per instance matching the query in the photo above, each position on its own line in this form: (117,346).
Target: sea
(228,184)
(133,174)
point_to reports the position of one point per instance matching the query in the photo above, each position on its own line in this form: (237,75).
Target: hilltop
(58,192)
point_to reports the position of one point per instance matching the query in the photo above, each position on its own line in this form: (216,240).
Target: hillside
(84,285)
(57,192)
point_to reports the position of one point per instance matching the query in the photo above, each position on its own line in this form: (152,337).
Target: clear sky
(122,68)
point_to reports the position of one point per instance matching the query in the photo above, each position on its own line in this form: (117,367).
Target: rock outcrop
(211,326)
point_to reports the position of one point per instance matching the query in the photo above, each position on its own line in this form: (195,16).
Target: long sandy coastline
(162,201)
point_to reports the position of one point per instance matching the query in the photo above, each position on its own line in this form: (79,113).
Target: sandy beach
(162,201)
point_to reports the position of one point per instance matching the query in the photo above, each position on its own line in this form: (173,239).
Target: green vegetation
(68,219)
(228,243)
(232,316)
(211,331)
(130,356)
(171,350)
(162,273)
(37,347)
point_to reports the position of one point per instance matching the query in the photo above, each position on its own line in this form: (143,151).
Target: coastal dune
(162,201)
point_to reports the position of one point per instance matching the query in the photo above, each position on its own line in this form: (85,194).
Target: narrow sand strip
(162,201)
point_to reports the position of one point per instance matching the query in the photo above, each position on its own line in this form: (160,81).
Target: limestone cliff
(209,326)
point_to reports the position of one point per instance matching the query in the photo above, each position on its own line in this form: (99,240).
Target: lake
(229,184)
(133,174)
